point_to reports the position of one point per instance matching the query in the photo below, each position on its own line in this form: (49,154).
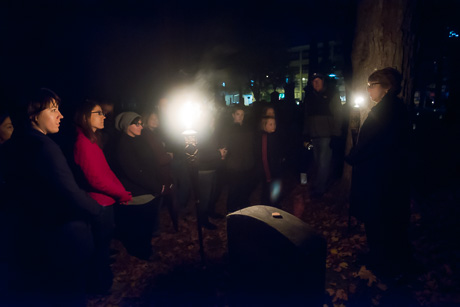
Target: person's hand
(308,145)
(127,197)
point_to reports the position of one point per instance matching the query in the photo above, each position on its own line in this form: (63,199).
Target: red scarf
(265,158)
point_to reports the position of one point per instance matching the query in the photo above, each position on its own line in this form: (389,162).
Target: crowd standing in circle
(125,167)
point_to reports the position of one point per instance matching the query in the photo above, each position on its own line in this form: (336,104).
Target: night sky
(130,51)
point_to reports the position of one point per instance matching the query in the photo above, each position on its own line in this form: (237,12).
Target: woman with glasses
(379,189)
(97,178)
(139,174)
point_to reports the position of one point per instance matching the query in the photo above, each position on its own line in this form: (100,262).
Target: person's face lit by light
(48,120)
(6,130)
(97,118)
(134,129)
(270,126)
(238,117)
(376,91)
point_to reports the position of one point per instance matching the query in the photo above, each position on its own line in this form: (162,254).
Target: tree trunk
(384,37)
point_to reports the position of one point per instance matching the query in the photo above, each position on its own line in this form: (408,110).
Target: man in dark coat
(380,187)
(322,124)
(238,140)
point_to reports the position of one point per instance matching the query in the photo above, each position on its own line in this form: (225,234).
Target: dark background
(132,51)
(124,51)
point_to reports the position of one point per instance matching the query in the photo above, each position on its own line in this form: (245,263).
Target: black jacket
(322,115)
(41,185)
(238,140)
(135,166)
(209,157)
(380,184)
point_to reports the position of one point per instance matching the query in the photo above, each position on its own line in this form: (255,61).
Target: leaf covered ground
(176,276)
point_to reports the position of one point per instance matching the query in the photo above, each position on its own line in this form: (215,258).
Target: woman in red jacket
(102,185)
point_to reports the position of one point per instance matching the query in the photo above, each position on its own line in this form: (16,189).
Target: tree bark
(384,37)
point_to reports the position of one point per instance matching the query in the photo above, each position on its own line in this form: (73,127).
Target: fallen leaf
(367,275)
(334,251)
(375,302)
(340,294)
(382,287)
(372,279)
(352,288)
(343,265)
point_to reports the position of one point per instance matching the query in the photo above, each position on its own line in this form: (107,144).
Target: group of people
(60,212)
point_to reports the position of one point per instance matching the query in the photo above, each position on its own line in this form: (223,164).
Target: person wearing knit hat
(137,172)
(124,120)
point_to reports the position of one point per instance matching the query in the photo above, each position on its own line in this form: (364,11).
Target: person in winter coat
(102,185)
(238,140)
(210,159)
(139,174)
(153,139)
(322,125)
(154,142)
(53,216)
(268,152)
(380,189)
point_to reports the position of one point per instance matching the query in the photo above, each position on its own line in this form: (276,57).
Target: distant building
(231,99)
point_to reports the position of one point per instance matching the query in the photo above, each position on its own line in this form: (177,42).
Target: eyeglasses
(139,124)
(100,113)
(372,85)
